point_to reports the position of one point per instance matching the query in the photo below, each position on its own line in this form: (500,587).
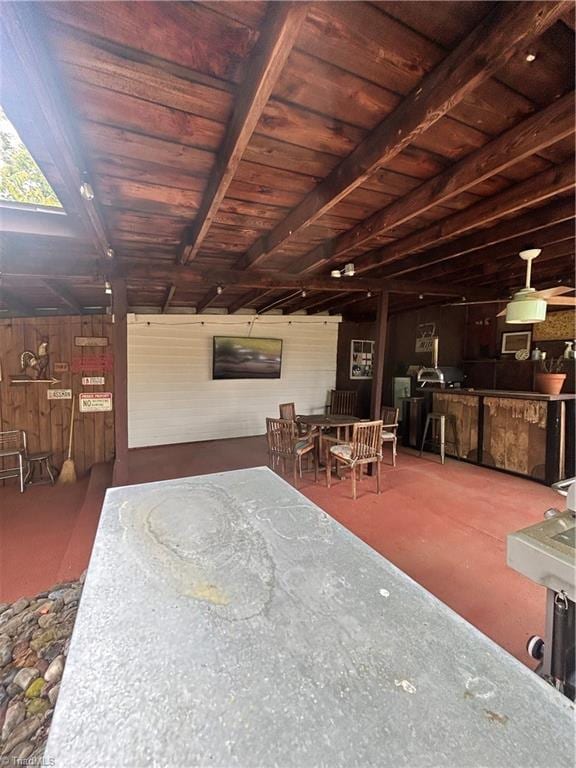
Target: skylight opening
(21,180)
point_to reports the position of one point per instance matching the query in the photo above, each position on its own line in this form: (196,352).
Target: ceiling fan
(529,305)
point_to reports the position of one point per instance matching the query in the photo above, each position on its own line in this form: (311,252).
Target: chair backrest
(390,416)
(288,411)
(281,436)
(343,402)
(14,440)
(366,440)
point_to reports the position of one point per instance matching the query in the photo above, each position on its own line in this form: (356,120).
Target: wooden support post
(120,337)
(379,355)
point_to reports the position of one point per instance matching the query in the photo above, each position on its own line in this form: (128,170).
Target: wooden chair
(13,444)
(288,413)
(285,444)
(343,402)
(365,448)
(389,429)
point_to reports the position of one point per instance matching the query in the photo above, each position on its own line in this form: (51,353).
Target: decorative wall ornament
(34,367)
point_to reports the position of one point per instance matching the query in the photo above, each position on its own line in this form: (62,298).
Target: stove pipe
(435,352)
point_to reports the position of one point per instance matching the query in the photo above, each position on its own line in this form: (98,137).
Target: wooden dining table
(328,421)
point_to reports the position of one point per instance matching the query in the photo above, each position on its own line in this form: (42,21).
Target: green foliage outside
(20,178)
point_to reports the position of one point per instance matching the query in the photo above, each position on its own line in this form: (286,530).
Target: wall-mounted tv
(241,357)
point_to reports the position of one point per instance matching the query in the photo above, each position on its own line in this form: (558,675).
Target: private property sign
(95,402)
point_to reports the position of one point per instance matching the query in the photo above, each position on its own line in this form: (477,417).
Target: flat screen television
(242,357)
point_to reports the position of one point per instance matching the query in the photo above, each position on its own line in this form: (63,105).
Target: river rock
(3,695)
(53,694)
(37,707)
(35,688)
(20,605)
(52,650)
(54,671)
(5,606)
(14,716)
(46,620)
(25,677)
(21,752)
(21,733)
(5,650)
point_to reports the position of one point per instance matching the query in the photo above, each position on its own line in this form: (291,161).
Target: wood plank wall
(26,406)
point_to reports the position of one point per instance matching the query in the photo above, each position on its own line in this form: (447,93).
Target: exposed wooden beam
(279,31)
(379,356)
(208,299)
(525,225)
(169,296)
(120,337)
(494,256)
(33,221)
(15,302)
(552,182)
(486,49)
(62,293)
(23,24)
(552,124)
(195,275)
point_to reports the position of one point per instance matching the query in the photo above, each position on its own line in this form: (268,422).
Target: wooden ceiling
(240,151)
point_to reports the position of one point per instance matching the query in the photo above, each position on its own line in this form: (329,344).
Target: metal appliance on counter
(439,376)
(545,553)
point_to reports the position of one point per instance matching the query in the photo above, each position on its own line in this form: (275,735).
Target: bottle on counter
(569,353)
(536,354)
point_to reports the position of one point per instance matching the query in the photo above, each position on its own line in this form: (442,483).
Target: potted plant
(551,377)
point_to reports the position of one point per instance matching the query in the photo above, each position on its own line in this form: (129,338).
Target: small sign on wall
(93,381)
(95,402)
(61,367)
(91,341)
(59,394)
(95,362)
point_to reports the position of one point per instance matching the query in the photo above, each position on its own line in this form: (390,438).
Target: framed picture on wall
(361,358)
(516,342)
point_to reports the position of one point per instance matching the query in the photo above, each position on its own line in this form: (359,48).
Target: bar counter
(526,433)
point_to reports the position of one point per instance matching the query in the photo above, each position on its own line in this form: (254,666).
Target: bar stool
(41,459)
(438,420)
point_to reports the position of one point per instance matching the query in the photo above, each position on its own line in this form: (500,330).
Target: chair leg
(354,482)
(394,452)
(49,470)
(378,462)
(315,460)
(424,435)
(21,466)
(442,440)
(328,469)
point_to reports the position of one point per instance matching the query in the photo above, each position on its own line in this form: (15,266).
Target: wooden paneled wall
(26,406)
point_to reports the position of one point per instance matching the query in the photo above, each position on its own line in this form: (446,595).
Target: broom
(68,472)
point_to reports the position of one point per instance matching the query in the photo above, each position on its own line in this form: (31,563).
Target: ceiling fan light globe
(525,309)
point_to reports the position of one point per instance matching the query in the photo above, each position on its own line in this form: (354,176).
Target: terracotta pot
(550,383)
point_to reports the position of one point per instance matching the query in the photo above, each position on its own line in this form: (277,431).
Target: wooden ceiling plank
(15,302)
(245,300)
(555,181)
(543,129)
(64,294)
(524,225)
(280,29)
(21,23)
(494,42)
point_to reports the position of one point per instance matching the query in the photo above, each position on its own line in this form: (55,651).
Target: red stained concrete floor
(445,526)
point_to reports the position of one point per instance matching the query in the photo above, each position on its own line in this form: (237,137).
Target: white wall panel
(172,397)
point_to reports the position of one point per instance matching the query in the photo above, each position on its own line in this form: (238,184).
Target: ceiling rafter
(208,299)
(494,41)
(525,225)
(280,29)
(15,302)
(538,188)
(546,127)
(168,298)
(22,25)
